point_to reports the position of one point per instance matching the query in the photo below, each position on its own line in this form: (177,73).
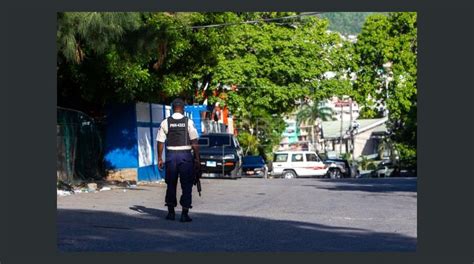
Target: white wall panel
(157,113)
(144,147)
(155,132)
(143,112)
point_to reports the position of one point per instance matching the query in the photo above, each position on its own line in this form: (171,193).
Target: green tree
(127,57)
(80,34)
(386,53)
(275,64)
(311,114)
(135,56)
(250,143)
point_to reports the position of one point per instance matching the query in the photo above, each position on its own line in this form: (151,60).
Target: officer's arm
(160,150)
(161,138)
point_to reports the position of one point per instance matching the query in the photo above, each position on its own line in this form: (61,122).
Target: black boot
(184,216)
(171,214)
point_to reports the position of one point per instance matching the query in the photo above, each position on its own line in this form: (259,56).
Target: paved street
(247,215)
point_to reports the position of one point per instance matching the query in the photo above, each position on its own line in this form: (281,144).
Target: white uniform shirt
(192,131)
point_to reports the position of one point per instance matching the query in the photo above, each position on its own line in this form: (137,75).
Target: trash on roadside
(63,193)
(82,190)
(92,186)
(105,189)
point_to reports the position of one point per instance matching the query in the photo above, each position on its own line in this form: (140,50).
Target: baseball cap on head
(178,102)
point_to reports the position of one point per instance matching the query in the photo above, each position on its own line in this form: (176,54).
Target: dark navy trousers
(179,164)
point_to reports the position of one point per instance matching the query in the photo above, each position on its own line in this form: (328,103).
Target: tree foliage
(81,34)
(126,57)
(390,39)
(310,113)
(160,56)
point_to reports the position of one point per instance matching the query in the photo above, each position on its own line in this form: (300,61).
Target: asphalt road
(247,215)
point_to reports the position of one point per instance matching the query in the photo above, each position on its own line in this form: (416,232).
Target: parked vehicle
(292,164)
(254,166)
(221,155)
(385,168)
(340,168)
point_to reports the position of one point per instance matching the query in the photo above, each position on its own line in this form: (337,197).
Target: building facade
(367,135)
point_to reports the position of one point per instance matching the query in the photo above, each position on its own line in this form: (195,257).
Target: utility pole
(342,117)
(351,130)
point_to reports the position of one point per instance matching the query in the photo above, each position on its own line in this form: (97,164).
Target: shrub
(364,162)
(346,156)
(407,155)
(371,166)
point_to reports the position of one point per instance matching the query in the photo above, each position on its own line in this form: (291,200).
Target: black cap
(177,102)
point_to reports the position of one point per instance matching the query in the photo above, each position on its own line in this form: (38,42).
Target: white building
(338,105)
(365,141)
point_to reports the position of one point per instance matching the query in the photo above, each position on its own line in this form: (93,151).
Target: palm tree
(79,31)
(312,114)
(249,142)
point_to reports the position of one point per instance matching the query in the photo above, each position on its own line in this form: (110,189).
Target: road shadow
(145,229)
(377,185)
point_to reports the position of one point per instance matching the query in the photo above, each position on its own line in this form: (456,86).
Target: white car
(292,164)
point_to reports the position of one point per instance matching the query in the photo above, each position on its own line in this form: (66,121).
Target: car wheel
(289,174)
(334,174)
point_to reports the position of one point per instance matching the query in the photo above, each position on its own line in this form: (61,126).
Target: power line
(258,21)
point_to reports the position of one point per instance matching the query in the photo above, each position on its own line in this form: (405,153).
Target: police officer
(181,137)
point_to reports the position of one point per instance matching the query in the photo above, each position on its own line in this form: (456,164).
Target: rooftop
(332,129)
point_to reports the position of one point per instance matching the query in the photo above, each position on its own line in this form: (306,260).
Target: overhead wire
(257,21)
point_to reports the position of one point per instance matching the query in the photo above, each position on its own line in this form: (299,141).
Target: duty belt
(179,150)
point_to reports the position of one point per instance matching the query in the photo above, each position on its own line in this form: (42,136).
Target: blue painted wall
(121,141)
(121,149)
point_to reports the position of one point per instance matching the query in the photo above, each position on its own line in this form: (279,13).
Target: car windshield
(216,141)
(252,159)
(337,161)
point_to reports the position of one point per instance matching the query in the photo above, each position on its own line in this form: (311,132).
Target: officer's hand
(197,164)
(160,164)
